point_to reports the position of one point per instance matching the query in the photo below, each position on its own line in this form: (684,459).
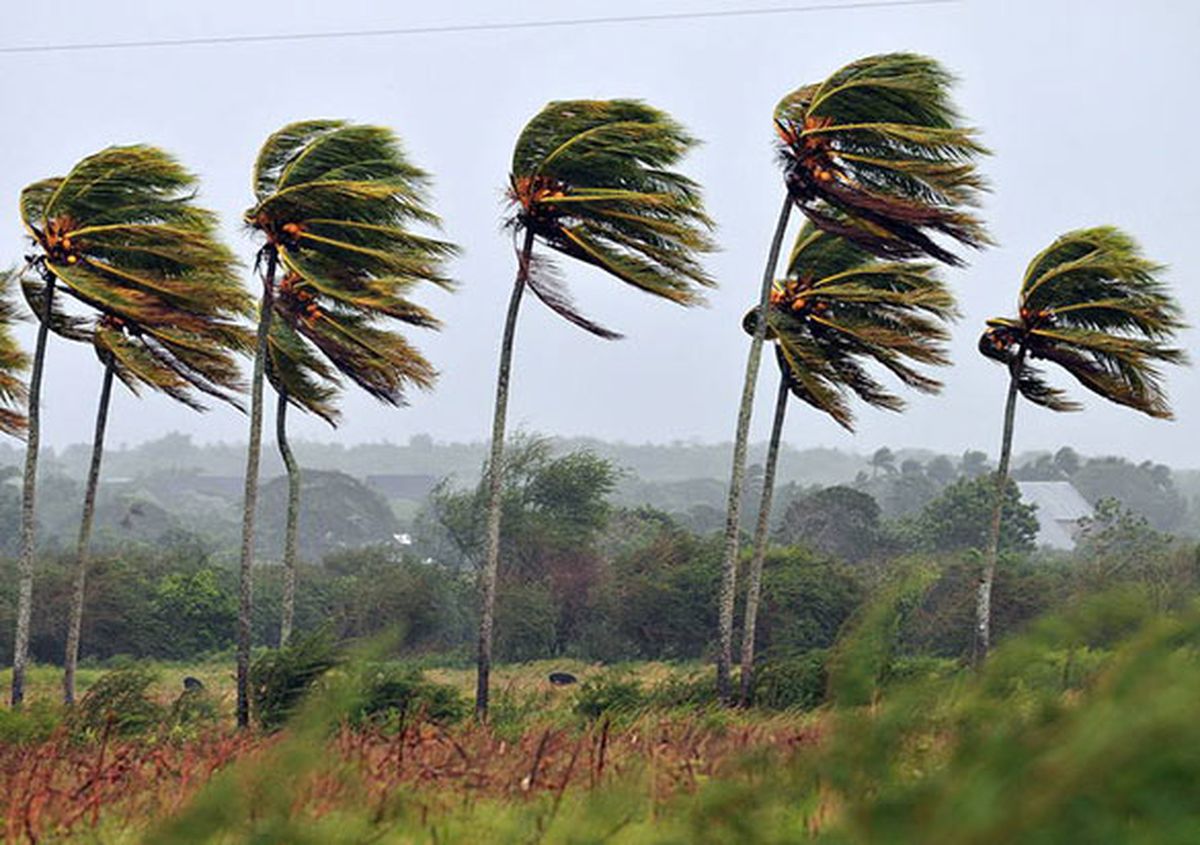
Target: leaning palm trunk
(28,497)
(983,599)
(738,474)
(75,625)
(491,564)
(754,586)
(250,497)
(293,518)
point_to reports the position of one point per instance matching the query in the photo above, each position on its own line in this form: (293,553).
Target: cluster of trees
(875,157)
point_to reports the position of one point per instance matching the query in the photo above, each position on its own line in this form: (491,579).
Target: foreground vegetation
(1080,729)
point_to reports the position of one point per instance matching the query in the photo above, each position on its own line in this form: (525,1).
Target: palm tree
(335,203)
(306,376)
(875,153)
(13,362)
(121,235)
(593,180)
(178,363)
(1095,306)
(838,310)
(300,378)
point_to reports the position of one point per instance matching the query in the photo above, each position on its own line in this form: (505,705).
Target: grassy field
(1080,730)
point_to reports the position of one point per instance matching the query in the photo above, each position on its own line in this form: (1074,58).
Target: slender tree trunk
(75,623)
(250,497)
(293,518)
(983,598)
(754,587)
(491,564)
(738,474)
(28,497)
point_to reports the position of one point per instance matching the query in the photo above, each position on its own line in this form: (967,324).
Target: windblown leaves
(337,203)
(594,180)
(122,235)
(876,153)
(12,363)
(840,310)
(1095,306)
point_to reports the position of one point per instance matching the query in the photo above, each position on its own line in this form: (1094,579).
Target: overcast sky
(1087,106)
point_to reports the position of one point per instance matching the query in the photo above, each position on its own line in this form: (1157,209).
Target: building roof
(1060,507)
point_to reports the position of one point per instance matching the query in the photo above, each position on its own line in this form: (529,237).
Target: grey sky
(1086,104)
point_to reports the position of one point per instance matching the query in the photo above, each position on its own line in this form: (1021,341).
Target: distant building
(1060,511)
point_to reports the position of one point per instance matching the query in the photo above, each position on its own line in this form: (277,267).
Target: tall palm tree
(178,363)
(592,180)
(335,203)
(838,311)
(121,235)
(13,362)
(1095,306)
(306,356)
(299,377)
(877,154)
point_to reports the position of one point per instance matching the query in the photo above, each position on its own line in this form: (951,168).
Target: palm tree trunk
(738,475)
(75,623)
(28,496)
(250,497)
(983,598)
(293,518)
(491,564)
(754,588)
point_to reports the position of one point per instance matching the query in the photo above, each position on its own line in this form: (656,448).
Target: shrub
(279,679)
(33,723)
(792,681)
(609,695)
(118,701)
(391,692)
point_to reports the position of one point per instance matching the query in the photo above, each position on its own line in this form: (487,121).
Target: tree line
(875,157)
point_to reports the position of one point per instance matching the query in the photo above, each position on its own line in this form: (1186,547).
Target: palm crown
(12,362)
(839,309)
(122,234)
(592,179)
(880,142)
(1094,305)
(335,203)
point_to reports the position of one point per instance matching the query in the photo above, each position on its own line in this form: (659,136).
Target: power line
(462,28)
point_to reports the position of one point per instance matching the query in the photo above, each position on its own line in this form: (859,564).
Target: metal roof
(1060,507)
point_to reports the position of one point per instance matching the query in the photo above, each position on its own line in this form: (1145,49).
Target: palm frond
(337,203)
(13,362)
(1093,304)
(841,310)
(122,235)
(880,141)
(595,180)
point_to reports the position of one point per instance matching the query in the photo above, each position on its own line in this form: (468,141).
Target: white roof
(1060,507)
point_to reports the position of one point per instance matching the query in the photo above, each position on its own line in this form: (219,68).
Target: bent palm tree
(177,363)
(838,311)
(383,364)
(13,362)
(877,154)
(119,234)
(592,180)
(335,202)
(1095,306)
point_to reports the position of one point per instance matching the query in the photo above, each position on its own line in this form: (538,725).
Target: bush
(389,692)
(794,681)
(609,695)
(279,679)
(696,690)
(119,702)
(33,723)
